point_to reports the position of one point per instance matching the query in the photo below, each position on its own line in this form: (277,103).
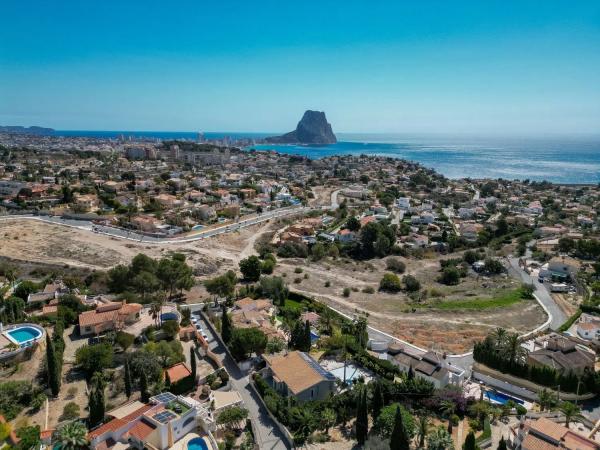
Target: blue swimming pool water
(501,398)
(197,444)
(24,334)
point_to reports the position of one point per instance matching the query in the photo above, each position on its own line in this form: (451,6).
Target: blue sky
(487,67)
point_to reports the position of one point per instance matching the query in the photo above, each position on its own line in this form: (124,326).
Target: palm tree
(155,309)
(423,424)
(500,337)
(547,399)
(513,348)
(570,411)
(72,436)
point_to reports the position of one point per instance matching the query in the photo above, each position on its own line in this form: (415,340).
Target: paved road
(195,236)
(334,199)
(556,314)
(268,436)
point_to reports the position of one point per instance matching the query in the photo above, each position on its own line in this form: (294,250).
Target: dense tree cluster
(145,276)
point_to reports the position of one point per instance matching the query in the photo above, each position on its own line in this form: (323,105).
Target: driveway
(268,436)
(557,315)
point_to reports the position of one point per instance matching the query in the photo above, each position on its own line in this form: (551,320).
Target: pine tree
(128,381)
(378,401)
(96,401)
(470,442)
(226,328)
(193,364)
(399,439)
(502,444)
(52,367)
(362,418)
(144,395)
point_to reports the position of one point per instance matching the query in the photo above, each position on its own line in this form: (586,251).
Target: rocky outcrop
(313,128)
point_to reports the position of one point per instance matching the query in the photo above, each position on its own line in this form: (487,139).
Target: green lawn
(293,304)
(503,300)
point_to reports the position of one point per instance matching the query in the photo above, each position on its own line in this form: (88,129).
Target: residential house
(588,326)
(297,374)
(560,267)
(429,366)
(563,355)
(544,434)
(470,231)
(108,317)
(157,425)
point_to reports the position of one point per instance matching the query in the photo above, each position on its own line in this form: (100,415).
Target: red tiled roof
(115,424)
(178,372)
(141,429)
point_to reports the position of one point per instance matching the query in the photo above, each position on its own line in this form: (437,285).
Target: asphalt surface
(268,435)
(190,237)
(557,316)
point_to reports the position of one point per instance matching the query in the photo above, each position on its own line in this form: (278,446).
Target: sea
(563,160)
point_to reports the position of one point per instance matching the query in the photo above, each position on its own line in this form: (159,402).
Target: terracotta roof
(532,442)
(178,372)
(141,429)
(94,317)
(115,424)
(50,309)
(294,371)
(548,428)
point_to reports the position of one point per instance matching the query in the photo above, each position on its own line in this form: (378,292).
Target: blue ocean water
(560,160)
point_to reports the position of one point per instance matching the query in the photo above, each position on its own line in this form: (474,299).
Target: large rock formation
(39,131)
(313,128)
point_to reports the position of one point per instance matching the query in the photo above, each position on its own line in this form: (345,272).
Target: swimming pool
(197,444)
(499,397)
(24,334)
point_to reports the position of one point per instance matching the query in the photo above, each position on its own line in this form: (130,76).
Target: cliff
(313,128)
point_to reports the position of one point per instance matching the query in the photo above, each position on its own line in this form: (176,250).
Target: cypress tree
(167,381)
(470,442)
(502,444)
(378,401)
(411,373)
(306,344)
(362,418)
(399,439)
(193,364)
(96,402)
(128,381)
(226,328)
(144,395)
(52,367)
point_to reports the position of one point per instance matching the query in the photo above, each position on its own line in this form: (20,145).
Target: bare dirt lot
(424,323)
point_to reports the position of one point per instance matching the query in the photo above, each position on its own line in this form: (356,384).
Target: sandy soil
(450,331)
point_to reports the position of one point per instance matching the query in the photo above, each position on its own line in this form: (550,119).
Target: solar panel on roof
(315,365)
(165,397)
(164,416)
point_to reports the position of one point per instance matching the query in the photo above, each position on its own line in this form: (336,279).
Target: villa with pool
(16,339)
(167,422)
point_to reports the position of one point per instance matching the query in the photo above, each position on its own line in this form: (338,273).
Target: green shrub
(346,292)
(390,283)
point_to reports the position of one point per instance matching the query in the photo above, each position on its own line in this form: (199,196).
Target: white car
(194,319)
